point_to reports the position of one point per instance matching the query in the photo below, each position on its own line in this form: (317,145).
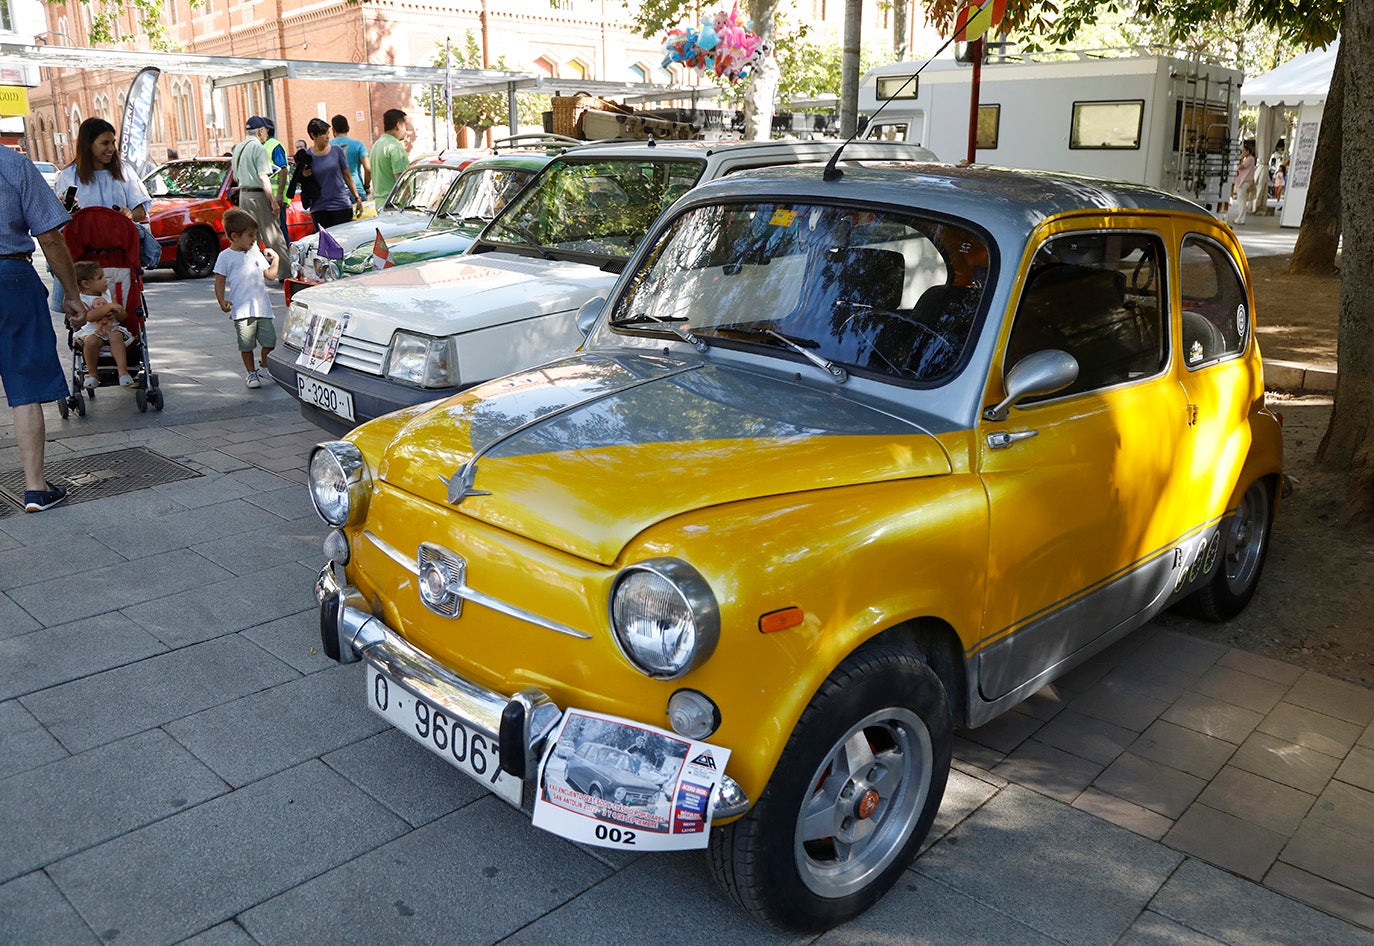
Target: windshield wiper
(667,322)
(524,237)
(836,372)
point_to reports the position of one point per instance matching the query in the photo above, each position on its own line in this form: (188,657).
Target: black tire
(80,405)
(886,699)
(155,398)
(62,408)
(197,250)
(1244,546)
(141,399)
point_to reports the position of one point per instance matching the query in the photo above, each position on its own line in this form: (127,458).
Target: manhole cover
(97,476)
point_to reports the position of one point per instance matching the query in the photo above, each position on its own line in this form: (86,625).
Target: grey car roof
(704,149)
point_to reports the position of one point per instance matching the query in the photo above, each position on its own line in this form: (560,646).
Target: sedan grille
(361,355)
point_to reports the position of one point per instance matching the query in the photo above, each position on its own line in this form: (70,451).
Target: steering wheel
(1150,276)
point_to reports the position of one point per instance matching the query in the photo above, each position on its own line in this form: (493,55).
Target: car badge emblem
(460,484)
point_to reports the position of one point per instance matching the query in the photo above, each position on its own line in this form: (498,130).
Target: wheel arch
(935,641)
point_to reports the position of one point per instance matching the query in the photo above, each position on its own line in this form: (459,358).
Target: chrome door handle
(1003,439)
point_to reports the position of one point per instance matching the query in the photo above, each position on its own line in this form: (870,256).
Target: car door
(1078,481)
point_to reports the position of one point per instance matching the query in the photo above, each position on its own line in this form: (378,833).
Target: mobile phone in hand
(70,200)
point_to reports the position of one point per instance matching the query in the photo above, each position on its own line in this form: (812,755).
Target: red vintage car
(189,200)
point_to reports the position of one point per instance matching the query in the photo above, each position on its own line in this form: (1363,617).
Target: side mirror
(1042,372)
(588,314)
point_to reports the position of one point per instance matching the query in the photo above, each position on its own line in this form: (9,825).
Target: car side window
(1216,322)
(1099,297)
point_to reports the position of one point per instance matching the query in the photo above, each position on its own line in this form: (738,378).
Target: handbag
(150,252)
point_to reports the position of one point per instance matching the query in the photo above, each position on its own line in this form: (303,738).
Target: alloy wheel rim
(1245,540)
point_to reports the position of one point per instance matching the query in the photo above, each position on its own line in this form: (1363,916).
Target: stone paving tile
(1044,704)
(7,544)
(291,502)
(1183,749)
(1151,785)
(188,872)
(274,729)
(1285,762)
(24,743)
(1213,717)
(223,934)
(499,874)
(294,640)
(208,490)
(214,461)
(85,799)
(1151,929)
(116,703)
(218,607)
(1326,734)
(1346,808)
(247,552)
(1086,736)
(1336,855)
(1049,771)
(1158,681)
(1358,768)
(55,655)
(1257,666)
(184,528)
(404,777)
(92,518)
(964,794)
(1119,705)
(1172,648)
(1227,841)
(1344,701)
(117,586)
(28,565)
(1004,733)
(1120,812)
(1241,689)
(1064,891)
(33,908)
(971,753)
(1212,902)
(14,620)
(1322,894)
(1257,800)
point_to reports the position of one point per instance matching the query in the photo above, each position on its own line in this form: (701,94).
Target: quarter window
(1216,321)
(1099,297)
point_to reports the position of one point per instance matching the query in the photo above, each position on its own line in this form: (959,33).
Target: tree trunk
(899,30)
(849,68)
(1315,251)
(763,82)
(1348,446)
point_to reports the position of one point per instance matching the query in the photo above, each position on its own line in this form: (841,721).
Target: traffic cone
(381,256)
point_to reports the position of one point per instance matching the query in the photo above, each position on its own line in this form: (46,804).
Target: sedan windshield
(482,192)
(421,188)
(187,179)
(603,207)
(872,291)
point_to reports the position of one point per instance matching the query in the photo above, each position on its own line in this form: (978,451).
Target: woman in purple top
(329,168)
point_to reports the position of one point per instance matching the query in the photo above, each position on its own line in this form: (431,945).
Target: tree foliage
(484,110)
(122,21)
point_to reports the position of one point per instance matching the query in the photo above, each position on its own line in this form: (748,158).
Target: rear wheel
(80,404)
(62,408)
(155,398)
(141,399)
(1244,546)
(196,253)
(853,796)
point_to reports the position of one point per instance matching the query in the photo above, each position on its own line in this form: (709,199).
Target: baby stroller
(111,239)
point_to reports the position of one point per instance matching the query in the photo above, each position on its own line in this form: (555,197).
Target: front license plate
(467,749)
(324,396)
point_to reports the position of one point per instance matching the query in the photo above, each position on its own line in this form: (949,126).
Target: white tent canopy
(1300,81)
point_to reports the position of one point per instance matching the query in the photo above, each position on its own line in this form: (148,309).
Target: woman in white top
(99,177)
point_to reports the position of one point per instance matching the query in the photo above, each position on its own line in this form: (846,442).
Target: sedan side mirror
(1042,372)
(588,314)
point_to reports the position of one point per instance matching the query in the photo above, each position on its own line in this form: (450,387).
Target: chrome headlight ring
(340,483)
(664,617)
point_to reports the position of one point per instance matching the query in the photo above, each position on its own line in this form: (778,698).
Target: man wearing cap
(253,170)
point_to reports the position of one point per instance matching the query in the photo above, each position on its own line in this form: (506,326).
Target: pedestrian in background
(239,288)
(359,165)
(259,195)
(29,367)
(329,167)
(389,156)
(276,151)
(1243,184)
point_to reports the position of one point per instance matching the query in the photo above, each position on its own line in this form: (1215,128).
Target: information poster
(321,342)
(1303,154)
(615,783)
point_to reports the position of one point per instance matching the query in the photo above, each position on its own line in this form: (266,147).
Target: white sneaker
(125,381)
(252,380)
(92,382)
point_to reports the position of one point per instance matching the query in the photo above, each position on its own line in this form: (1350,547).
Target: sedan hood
(447,239)
(584,454)
(393,223)
(457,294)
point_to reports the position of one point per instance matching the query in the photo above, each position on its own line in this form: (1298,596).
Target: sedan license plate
(467,749)
(324,396)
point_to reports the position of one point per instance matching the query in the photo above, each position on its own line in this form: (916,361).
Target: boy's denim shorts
(255,332)
(29,366)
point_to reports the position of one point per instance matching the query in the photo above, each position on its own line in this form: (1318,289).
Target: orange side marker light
(780,620)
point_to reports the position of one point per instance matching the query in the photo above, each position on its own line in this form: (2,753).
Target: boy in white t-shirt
(243,269)
(104,324)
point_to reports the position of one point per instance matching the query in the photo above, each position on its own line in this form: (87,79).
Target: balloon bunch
(724,45)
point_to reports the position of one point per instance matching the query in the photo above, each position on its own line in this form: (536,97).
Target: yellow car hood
(584,454)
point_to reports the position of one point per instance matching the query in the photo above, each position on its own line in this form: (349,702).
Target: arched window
(546,66)
(183,107)
(640,73)
(157,128)
(578,69)
(76,118)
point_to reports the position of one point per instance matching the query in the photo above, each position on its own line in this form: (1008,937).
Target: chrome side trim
(469,593)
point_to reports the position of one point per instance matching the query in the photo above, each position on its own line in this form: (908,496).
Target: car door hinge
(1192,415)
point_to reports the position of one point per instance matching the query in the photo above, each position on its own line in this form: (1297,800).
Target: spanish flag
(381,256)
(976,17)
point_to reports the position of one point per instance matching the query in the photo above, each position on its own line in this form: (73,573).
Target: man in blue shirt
(29,366)
(359,165)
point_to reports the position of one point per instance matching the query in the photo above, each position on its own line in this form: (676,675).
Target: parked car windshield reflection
(894,295)
(421,188)
(482,193)
(199,178)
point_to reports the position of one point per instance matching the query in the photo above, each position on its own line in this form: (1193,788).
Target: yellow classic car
(845,462)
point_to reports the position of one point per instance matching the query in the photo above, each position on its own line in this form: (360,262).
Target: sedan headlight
(297,325)
(339,483)
(423,360)
(665,617)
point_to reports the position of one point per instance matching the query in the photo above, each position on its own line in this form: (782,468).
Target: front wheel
(196,253)
(1244,546)
(851,800)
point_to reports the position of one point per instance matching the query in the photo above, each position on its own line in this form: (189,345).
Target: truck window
(887,131)
(1113,125)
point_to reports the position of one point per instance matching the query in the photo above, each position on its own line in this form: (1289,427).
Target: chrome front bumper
(521,724)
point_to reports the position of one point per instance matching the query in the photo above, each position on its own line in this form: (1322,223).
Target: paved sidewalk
(179,764)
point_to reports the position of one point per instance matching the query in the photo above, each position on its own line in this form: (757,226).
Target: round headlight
(665,617)
(339,482)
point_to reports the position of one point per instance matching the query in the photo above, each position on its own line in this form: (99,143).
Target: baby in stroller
(104,325)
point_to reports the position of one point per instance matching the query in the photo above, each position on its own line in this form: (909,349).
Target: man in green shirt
(389,156)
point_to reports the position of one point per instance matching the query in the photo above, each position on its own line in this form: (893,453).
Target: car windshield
(895,295)
(187,179)
(602,207)
(482,192)
(421,188)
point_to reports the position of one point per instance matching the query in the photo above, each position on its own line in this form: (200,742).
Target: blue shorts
(29,367)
